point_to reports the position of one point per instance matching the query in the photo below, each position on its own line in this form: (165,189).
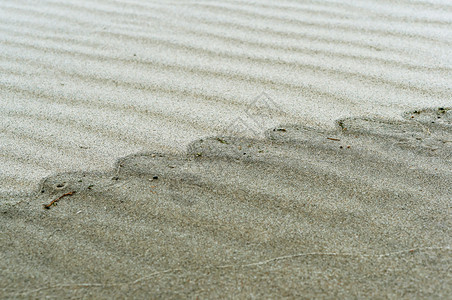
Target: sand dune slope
(362,210)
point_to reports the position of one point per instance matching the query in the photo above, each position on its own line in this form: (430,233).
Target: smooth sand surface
(159,125)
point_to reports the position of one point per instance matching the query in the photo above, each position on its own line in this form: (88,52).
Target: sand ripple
(362,210)
(86,82)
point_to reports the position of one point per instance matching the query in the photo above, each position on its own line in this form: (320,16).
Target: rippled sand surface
(85,82)
(359,211)
(184,149)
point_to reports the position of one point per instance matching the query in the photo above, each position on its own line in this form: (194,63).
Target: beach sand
(234,150)
(360,211)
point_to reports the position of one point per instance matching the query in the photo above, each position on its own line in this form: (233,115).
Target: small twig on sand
(333,139)
(57,199)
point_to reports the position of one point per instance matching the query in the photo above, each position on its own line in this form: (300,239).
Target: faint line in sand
(259,263)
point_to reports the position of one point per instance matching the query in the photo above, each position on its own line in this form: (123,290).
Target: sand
(360,211)
(239,150)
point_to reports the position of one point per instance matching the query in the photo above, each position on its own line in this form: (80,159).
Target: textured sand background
(85,82)
(351,197)
(360,211)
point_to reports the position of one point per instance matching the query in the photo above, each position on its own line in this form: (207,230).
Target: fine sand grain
(149,122)
(359,211)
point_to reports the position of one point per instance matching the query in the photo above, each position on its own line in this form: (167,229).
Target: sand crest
(358,211)
(85,82)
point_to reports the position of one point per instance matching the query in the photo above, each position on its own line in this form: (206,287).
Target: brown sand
(359,211)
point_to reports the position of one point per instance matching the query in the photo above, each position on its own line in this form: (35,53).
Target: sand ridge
(358,211)
(85,82)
